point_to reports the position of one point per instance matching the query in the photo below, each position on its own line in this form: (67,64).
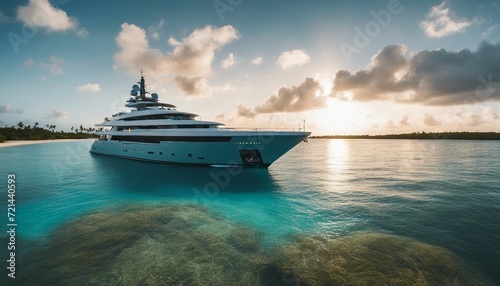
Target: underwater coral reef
(373,259)
(191,245)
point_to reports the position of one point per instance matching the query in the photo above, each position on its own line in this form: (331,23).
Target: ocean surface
(87,219)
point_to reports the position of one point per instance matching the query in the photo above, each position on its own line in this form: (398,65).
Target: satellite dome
(135,87)
(154,95)
(133,92)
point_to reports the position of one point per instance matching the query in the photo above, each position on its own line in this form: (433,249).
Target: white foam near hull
(249,149)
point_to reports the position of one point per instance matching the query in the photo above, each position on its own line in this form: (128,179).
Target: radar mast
(142,87)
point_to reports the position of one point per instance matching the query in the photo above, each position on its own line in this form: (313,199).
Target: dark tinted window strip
(160,116)
(121,128)
(158,139)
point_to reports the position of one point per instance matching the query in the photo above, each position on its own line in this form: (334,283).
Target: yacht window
(127,128)
(161,116)
(158,139)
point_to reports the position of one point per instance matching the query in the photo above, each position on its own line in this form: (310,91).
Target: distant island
(28,132)
(421,135)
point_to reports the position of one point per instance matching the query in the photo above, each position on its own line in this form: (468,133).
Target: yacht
(158,132)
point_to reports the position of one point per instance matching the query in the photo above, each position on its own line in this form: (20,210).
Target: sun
(326,85)
(340,117)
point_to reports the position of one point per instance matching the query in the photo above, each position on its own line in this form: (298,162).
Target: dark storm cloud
(436,77)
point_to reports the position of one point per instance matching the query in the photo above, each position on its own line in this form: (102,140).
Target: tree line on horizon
(464,135)
(35,132)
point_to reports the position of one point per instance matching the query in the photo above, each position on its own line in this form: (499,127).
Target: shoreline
(464,135)
(14,143)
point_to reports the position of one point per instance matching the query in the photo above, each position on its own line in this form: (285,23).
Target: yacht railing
(225,129)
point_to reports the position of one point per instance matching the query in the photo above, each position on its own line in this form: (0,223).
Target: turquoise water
(440,192)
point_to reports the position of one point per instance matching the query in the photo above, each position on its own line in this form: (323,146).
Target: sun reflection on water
(338,156)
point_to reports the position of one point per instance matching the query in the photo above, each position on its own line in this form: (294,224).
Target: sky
(342,67)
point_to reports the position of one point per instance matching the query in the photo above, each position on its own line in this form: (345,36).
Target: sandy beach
(27,142)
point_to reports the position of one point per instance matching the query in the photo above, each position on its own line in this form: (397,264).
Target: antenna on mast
(143,86)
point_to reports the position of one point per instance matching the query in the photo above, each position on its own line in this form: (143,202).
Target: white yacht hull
(230,148)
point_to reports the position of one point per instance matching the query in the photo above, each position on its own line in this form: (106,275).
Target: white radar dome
(135,87)
(154,95)
(133,92)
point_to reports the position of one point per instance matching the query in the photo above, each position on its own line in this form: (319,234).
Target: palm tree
(36,125)
(20,125)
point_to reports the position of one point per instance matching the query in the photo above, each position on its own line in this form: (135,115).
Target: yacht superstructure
(158,132)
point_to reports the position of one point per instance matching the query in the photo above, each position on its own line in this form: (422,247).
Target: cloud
(154,29)
(220,117)
(54,65)
(135,52)
(225,87)
(289,59)
(193,56)
(229,61)
(257,61)
(40,14)
(390,124)
(8,109)
(490,113)
(439,22)
(189,63)
(56,114)
(244,111)
(376,81)
(487,115)
(429,120)
(82,32)
(155,35)
(304,97)
(28,63)
(198,86)
(490,30)
(475,120)
(404,121)
(90,87)
(436,77)
(193,86)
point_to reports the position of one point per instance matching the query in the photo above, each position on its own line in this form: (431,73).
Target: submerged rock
(171,245)
(372,259)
